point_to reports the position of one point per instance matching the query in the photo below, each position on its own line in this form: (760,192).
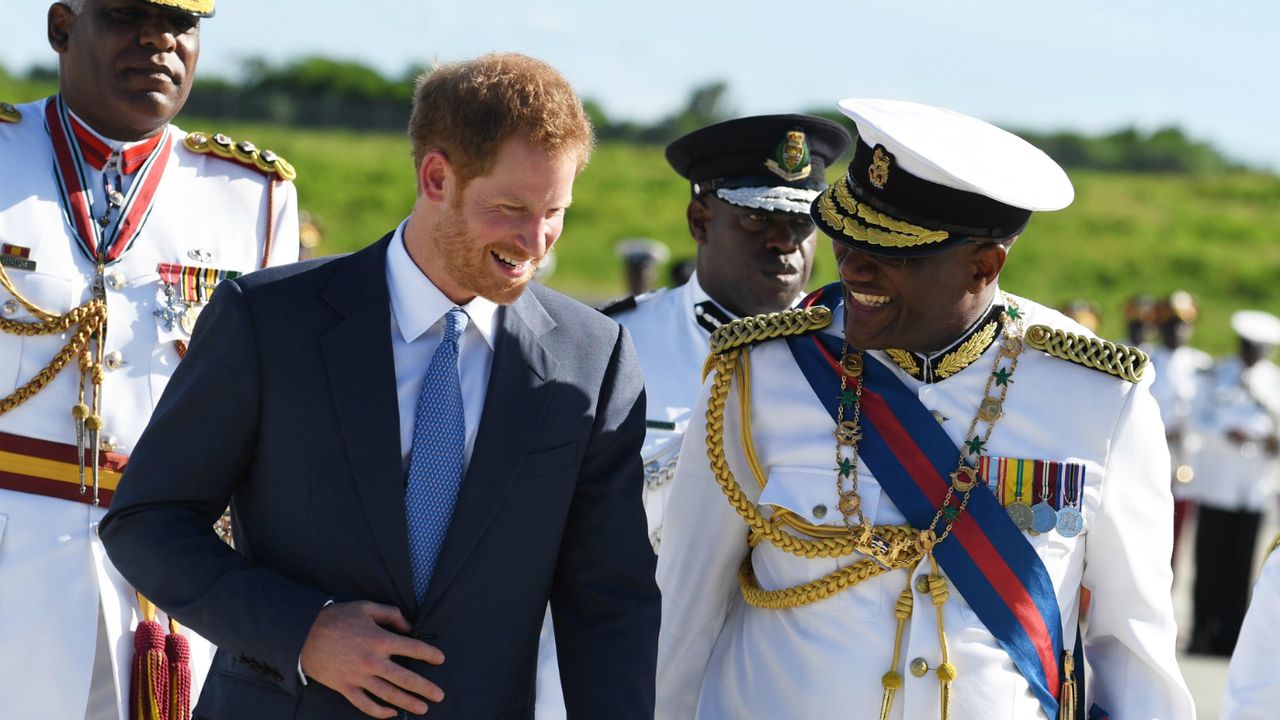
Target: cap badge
(878,172)
(791,159)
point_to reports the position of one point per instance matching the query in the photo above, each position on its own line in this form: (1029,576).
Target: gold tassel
(946,672)
(892,680)
(1067,700)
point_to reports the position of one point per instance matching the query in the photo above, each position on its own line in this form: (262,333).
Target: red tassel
(178,651)
(149,677)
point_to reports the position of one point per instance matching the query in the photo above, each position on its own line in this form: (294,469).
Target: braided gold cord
(756,328)
(805,593)
(7,284)
(90,317)
(759,526)
(1120,360)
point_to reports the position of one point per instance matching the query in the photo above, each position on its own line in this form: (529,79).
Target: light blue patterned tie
(435,464)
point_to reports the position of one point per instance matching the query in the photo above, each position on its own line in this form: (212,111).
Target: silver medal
(1043,517)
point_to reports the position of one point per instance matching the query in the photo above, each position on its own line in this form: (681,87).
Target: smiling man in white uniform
(901,486)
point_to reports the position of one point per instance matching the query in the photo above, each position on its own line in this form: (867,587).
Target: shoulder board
(1127,363)
(758,328)
(619,306)
(9,113)
(242,153)
(1275,543)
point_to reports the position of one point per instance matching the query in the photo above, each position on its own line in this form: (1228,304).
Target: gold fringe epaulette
(757,328)
(243,153)
(9,113)
(1123,361)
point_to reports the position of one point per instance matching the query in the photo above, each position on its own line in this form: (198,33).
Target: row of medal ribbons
(1040,496)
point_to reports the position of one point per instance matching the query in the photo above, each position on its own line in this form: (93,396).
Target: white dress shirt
(417,314)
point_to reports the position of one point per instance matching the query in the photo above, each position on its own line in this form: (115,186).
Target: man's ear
(436,178)
(698,215)
(58,26)
(986,261)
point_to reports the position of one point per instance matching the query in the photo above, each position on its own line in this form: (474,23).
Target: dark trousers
(1225,542)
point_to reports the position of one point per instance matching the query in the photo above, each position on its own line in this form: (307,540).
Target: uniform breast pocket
(48,293)
(810,498)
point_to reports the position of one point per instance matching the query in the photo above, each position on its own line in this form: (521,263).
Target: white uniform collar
(418,304)
(117,146)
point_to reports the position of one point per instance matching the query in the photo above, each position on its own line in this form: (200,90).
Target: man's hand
(349,651)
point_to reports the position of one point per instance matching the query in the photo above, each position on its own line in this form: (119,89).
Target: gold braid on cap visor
(864,224)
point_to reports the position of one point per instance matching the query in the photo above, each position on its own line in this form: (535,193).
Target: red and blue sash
(986,557)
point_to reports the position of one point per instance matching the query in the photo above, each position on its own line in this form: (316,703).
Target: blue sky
(1087,65)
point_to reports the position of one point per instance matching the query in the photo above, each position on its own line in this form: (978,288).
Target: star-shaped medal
(976,445)
(845,468)
(1003,376)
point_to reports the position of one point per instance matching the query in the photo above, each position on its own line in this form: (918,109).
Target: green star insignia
(976,445)
(1003,376)
(1013,312)
(846,467)
(950,512)
(846,398)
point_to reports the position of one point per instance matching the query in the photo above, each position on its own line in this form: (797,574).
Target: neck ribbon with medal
(103,240)
(881,421)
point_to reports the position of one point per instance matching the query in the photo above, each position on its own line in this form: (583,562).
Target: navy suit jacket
(286,406)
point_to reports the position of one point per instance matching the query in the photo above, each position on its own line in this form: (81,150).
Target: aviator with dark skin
(124,67)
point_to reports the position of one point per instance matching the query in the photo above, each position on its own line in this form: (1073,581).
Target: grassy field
(1125,233)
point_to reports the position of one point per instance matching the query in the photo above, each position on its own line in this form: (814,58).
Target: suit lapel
(362,381)
(516,396)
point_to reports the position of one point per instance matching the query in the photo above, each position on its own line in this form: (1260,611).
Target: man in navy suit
(419,451)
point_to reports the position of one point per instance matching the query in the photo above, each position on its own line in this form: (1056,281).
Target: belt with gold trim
(51,469)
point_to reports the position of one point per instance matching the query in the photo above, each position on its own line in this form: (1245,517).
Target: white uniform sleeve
(1253,685)
(1131,635)
(704,543)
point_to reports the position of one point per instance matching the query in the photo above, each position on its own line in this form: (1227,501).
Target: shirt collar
(97,147)
(418,304)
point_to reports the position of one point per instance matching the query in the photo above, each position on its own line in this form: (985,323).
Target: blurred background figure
(310,235)
(1179,372)
(641,258)
(1235,417)
(682,270)
(1085,312)
(1137,320)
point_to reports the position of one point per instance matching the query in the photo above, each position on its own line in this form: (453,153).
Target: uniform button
(115,280)
(919,667)
(108,443)
(10,307)
(819,511)
(113,360)
(922,584)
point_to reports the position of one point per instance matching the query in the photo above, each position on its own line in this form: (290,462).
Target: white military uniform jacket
(1231,476)
(671,329)
(1178,375)
(53,571)
(672,333)
(1253,686)
(720,658)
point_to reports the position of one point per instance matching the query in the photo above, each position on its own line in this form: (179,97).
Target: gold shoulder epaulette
(757,328)
(242,153)
(1122,361)
(9,113)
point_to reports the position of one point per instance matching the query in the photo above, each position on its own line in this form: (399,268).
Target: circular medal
(1021,514)
(187,321)
(1070,522)
(1043,517)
